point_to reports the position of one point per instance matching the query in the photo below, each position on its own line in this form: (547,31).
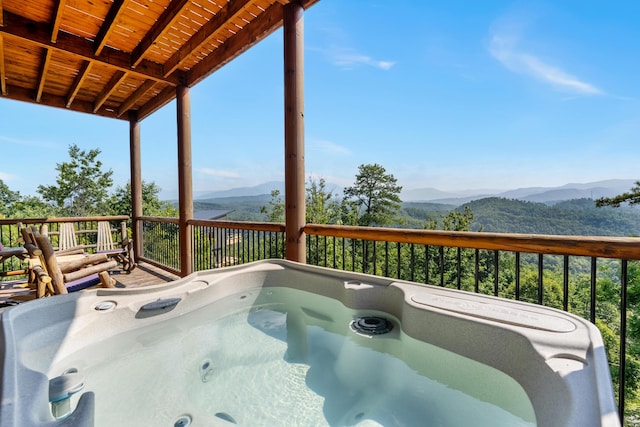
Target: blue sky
(453,95)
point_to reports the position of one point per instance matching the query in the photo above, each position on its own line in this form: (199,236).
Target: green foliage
(81,187)
(575,217)
(14,205)
(7,198)
(31,207)
(120,201)
(275,210)
(322,205)
(376,195)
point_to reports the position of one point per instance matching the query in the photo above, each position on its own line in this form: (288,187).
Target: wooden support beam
(1,15)
(3,71)
(108,25)
(251,34)
(185,185)
(44,68)
(166,19)
(82,49)
(115,81)
(206,32)
(77,82)
(136,184)
(57,18)
(294,177)
(133,98)
(157,102)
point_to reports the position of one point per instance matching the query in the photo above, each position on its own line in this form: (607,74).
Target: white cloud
(41,144)
(348,58)
(7,176)
(329,147)
(505,47)
(219,173)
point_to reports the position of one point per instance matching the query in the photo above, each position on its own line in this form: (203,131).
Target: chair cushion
(83,283)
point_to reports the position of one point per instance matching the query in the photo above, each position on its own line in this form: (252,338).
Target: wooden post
(294,175)
(136,183)
(185,189)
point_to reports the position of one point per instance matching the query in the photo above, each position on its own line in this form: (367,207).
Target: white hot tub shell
(557,358)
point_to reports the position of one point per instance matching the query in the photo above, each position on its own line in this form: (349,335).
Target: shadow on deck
(16,291)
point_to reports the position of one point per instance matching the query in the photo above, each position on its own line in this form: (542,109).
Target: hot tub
(276,343)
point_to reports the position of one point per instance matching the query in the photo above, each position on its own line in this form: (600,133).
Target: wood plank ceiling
(108,57)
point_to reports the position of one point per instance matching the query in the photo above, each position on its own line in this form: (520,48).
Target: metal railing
(214,243)
(224,243)
(161,243)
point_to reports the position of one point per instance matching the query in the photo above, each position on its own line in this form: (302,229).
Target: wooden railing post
(136,184)
(294,175)
(185,189)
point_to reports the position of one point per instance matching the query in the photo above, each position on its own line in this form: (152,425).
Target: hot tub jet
(371,325)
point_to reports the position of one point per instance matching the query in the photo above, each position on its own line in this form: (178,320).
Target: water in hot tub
(281,357)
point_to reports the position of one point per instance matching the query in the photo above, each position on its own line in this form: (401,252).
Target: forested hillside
(573,217)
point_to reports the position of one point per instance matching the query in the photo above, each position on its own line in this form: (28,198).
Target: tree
(322,205)
(7,198)
(31,207)
(632,197)
(81,187)
(275,210)
(375,194)
(120,201)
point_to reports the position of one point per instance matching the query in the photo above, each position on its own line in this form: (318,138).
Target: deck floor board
(16,291)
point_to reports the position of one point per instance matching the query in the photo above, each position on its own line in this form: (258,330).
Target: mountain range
(549,195)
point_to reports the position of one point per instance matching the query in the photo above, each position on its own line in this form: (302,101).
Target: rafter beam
(26,95)
(206,32)
(57,18)
(252,33)
(144,88)
(108,25)
(3,72)
(44,68)
(78,81)
(157,102)
(1,15)
(166,19)
(115,81)
(80,48)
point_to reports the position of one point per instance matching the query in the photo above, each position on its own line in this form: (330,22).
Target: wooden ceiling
(108,57)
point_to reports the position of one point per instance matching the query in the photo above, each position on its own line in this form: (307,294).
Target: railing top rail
(48,220)
(240,225)
(160,219)
(592,246)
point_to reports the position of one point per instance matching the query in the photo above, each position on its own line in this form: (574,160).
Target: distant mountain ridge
(549,195)
(256,190)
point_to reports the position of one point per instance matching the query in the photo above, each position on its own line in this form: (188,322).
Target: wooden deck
(16,291)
